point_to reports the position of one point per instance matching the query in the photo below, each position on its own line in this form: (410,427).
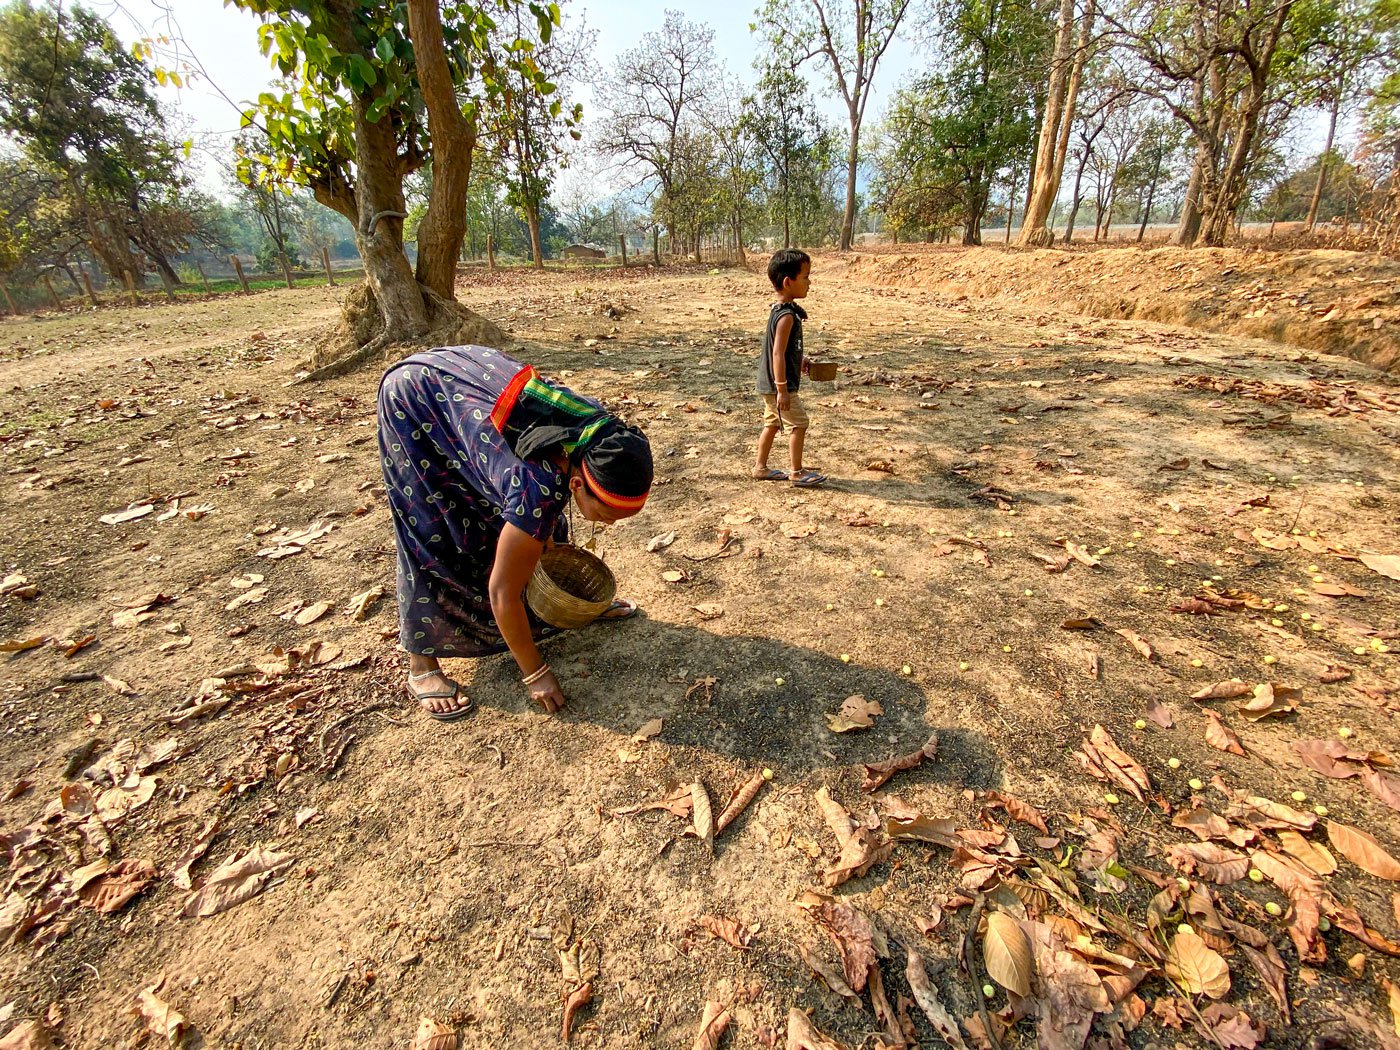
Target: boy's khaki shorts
(795,416)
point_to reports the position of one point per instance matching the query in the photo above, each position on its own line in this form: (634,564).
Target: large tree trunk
(1042,197)
(443,227)
(1323,161)
(1225,202)
(532,220)
(1188,226)
(1076,77)
(848,217)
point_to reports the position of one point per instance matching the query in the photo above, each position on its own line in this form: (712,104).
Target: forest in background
(1046,121)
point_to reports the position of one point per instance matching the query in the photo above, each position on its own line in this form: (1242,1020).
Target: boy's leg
(766,437)
(796,440)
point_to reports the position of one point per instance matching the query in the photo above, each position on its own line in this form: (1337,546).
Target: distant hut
(583,253)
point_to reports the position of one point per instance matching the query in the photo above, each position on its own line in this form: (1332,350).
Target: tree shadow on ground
(755,700)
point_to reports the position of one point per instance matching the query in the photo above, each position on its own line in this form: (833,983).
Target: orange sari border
(509,396)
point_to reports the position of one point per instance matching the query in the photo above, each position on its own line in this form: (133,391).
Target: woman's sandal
(808,479)
(620,609)
(774,474)
(439,694)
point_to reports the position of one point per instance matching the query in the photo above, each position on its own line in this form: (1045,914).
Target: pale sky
(224,41)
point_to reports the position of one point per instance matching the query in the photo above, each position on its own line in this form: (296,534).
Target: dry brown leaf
(801,1035)
(702,815)
(849,929)
(1017,810)
(856,713)
(115,887)
(248,597)
(115,803)
(1392,991)
(661,541)
(647,730)
(1273,975)
(938,830)
(312,613)
(1159,713)
(433,1035)
(739,801)
(1387,565)
(1266,813)
(573,1003)
(130,514)
(876,773)
(1080,554)
(1081,623)
(739,517)
(1270,698)
(19,645)
(1229,690)
(27,1035)
(673,576)
(1363,851)
(730,931)
(361,603)
(1219,865)
(709,610)
(1309,854)
(118,686)
(1101,757)
(236,881)
(1137,641)
(830,976)
(713,1023)
(162,1020)
(1195,968)
(796,530)
(1006,953)
(1383,785)
(678,804)
(927,999)
(1331,758)
(180,874)
(1220,736)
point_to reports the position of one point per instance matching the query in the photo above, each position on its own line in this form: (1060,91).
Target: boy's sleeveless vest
(792,354)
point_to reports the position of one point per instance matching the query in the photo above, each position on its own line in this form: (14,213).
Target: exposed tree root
(361,338)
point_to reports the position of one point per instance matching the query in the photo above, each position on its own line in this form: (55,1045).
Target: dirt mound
(1337,302)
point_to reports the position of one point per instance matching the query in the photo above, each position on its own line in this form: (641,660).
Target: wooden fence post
(87,283)
(490,252)
(656,245)
(131,286)
(53,295)
(622,240)
(202,276)
(326,261)
(238,269)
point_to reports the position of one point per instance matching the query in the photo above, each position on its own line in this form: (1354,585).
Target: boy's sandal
(808,479)
(774,474)
(450,715)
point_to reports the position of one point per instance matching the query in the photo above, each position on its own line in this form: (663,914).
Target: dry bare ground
(225,822)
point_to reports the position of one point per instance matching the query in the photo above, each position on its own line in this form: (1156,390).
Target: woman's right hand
(546,692)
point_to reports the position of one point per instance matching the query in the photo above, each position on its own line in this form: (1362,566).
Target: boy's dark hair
(786,263)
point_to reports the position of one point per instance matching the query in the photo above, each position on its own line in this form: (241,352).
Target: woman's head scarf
(544,420)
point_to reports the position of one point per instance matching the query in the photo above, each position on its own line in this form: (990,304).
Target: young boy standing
(781,367)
